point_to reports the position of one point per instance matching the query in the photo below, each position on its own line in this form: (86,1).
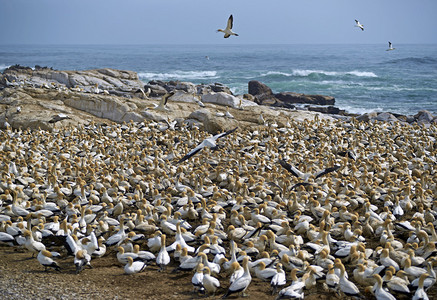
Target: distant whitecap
(179,75)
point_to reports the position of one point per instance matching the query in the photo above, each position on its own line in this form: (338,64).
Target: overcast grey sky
(195,21)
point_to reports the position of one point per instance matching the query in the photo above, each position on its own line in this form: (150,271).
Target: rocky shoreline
(45,98)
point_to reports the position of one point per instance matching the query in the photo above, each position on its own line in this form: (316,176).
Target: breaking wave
(178,75)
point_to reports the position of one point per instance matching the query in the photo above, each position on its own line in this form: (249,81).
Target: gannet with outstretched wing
(228,30)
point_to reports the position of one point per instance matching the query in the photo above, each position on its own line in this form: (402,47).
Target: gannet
(242,282)
(45,259)
(278,279)
(306,176)
(359,25)
(197,279)
(208,142)
(133,267)
(390,47)
(228,31)
(211,284)
(162,104)
(81,259)
(162,259)
(379,291)
(420,293)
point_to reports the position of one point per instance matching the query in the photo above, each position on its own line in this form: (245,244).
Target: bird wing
(227,35)
(191,153)
(217,136)
(356,21)
(230,23)
(166,96)
(327,170)
(290,168)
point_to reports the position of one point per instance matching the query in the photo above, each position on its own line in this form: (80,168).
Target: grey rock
(367,117)
(221,98)
(386,117)
(258,88)
(289,97)
(424,116)
(155,90)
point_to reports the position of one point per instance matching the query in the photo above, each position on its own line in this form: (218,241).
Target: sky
(196,21)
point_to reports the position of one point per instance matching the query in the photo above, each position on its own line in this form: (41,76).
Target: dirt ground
(22,277)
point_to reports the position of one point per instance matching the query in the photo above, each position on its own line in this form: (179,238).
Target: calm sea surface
(362,78)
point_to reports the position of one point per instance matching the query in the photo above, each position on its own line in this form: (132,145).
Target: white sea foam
(360,110)
(269,73)
(305,73)
(3,67)
(179,75)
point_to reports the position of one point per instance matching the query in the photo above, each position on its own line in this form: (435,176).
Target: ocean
(362,78)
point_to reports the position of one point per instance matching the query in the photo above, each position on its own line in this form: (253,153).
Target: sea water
(362,78)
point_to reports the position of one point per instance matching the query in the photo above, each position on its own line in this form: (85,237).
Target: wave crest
(305,73)
(3,67)
(178,75)
(310,72)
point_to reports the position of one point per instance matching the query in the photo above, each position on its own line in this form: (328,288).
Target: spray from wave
(307,73)
(178,75)
(3,67)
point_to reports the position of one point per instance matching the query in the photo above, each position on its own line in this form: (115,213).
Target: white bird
(390,47)
(208,142)
(346,286)
(162,104)
(197,279)
(420,293)
(211,284)
(162,259)
(279,279)
(81,259)
(359,25)
(133,267)
(32,245)
(228,30)
(306,176)
(379,291)
(242,282)
(45,259)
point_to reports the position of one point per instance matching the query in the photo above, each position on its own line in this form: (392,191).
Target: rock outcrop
(49,99)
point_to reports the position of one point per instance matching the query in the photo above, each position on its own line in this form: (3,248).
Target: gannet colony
(339,207)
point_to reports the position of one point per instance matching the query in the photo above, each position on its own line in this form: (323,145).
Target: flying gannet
(306,176)
(359,25)
(162,104)
(208,142)
(390,47)
(228,31)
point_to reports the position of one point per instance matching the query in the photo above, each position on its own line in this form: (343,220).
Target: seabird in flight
(208,142)
(162,104)
(359,25)
(390,47)
(305,176)
(228,31)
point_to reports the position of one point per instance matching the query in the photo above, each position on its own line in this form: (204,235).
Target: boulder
(186,87)
(219,87)
(211,123)
(424,116)
(221,98)
(367,117)
(100,106)
(326,109)
(155,90)
(289,97)
(181,96)
(257,88)
(386,117)
(262,93)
